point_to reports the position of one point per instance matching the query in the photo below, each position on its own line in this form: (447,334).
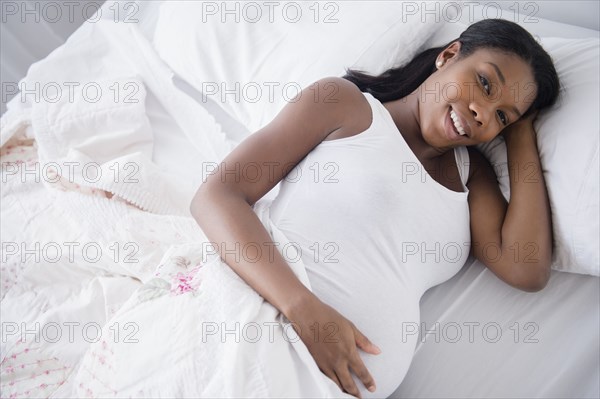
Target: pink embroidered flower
(182,283)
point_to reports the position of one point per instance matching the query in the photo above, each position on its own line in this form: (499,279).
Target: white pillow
(568,140)
(270,62)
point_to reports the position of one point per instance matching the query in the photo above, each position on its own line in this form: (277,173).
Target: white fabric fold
(91,116)
(200,331)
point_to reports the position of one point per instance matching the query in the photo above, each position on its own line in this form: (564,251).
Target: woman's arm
(514,240)
(528,219)
(223,209)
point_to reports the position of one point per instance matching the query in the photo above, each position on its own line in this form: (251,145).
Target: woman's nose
(479,114)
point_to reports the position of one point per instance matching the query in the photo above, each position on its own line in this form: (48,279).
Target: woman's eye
(485,84)
(503,118)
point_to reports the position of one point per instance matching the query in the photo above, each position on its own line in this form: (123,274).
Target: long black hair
(500,34)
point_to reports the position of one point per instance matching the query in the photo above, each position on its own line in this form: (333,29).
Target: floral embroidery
(181,261)
(153,289)
(183,282)
(169,278)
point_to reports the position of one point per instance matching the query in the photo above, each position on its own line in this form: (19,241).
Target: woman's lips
(450,129)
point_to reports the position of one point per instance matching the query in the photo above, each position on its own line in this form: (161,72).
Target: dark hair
(497,34)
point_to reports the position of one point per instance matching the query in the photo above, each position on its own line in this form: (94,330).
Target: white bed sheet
(555,355)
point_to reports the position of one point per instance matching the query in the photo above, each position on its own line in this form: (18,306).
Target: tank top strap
(461,154)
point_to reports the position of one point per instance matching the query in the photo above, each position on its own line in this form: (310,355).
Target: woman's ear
(449,54)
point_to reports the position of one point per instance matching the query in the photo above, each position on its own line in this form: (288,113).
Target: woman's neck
(405,113)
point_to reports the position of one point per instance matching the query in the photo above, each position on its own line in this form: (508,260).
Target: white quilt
(108,287)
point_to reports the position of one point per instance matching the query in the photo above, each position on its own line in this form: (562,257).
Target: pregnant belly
(386,312)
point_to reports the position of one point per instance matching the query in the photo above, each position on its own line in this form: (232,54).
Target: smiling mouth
(456,123)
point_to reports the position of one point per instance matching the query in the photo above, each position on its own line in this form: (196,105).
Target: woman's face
(470,100)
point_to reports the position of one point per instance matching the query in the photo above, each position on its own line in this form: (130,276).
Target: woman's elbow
(536,280)
(198,202)
(210,195)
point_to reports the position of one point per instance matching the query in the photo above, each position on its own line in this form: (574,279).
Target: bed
(72,256)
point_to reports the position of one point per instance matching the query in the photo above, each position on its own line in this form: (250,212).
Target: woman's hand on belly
(332,340)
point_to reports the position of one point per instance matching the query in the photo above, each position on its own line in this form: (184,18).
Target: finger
(331,374)
(343,374)
(364,343)
(361,371)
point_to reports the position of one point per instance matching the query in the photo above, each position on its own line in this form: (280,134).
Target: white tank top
(375,231)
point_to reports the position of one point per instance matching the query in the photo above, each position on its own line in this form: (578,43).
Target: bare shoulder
(332,103)
(356,108)
(329,105)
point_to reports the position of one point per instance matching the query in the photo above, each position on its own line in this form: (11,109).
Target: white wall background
(30,30)
(584,13)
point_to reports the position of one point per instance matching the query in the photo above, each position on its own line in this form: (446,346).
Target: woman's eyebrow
(498,71)
(503,81)
(516,111)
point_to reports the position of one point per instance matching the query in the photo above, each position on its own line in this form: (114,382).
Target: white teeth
(457,124)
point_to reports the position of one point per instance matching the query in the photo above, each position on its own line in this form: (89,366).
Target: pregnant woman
(385,196)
